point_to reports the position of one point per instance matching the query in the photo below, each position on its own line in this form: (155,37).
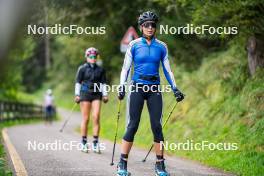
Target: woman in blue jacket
(146,53)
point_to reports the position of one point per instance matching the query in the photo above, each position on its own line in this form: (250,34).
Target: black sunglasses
(149,24)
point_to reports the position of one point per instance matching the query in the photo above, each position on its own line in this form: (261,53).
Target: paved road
(76,163)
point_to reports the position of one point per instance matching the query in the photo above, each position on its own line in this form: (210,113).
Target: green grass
(4,169)
(63,95)
(223,104)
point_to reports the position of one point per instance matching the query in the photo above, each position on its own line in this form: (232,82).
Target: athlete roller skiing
(88,76)
(146,53)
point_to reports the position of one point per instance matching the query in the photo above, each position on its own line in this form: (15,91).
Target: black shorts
(91,96)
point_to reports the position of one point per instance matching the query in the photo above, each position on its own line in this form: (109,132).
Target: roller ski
(96,148)
(160,169)
(122,169)
(84,148)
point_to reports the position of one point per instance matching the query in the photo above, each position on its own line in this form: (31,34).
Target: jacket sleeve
(167,70)
(103,83)
(126,65)
(78,81)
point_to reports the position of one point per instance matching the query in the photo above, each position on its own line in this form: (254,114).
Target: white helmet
(49,91)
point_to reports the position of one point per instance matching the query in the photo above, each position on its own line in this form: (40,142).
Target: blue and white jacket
(146,59)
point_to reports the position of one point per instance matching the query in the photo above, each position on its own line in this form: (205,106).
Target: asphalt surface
(64,162)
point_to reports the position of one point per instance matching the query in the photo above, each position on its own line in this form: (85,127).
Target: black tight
(154,104)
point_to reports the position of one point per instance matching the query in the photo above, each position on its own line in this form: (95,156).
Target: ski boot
(122,169)
(160,169)
(96,148)
(84,148)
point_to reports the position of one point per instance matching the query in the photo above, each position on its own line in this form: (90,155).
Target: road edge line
(19,167)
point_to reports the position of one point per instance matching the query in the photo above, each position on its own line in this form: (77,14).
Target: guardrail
(18,110)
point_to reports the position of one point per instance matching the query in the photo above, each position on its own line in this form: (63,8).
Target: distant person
(49,105)
(89,76)
(146,54)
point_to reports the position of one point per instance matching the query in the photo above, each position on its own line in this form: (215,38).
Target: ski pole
(144,160)
(118,116)
(66,121)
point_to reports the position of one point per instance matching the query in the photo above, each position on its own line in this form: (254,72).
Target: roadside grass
(4,169)
(63,96)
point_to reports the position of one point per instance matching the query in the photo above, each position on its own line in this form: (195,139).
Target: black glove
(179,96)
(121,92)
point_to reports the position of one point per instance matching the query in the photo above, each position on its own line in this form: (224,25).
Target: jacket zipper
(149,49)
